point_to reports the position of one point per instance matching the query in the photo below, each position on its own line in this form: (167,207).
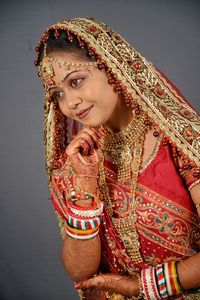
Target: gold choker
(121,146)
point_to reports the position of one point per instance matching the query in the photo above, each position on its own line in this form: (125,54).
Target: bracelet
(77,193)
(87,213)
(161,282)
(77,237)
(167,280)
(81,234)
(149,286)
(71,205)
(173,280)
(141,293)
(177,277)
(74,196)
(83,224)
(167,277)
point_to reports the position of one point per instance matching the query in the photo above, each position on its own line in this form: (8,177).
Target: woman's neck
(120,118)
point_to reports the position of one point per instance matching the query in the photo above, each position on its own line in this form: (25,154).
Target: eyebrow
(63,80)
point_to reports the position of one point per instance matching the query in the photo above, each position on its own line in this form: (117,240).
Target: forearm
(81,258)
(189,269)
(189,272)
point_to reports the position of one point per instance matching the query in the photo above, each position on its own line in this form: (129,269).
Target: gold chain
(125,226)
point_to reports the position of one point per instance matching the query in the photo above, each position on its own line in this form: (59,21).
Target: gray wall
(166,32)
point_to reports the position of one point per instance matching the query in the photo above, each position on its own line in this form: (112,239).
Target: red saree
(167,221)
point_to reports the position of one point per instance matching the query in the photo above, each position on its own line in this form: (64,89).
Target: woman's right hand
(84,159)
(84,142)
(82,152)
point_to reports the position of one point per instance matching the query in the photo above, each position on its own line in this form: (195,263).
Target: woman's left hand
(113,283)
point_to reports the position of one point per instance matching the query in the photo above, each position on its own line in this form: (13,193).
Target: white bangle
(88,213)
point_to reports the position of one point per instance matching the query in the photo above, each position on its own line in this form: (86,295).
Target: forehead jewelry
(67,65)
(47,72)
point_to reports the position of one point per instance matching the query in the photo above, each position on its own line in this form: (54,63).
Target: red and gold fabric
(167,221)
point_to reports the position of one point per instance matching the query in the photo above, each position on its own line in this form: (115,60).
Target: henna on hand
(83,157)
(84,142)
(124,285)
(86,170)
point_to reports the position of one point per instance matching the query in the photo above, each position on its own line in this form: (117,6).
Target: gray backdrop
(166,32)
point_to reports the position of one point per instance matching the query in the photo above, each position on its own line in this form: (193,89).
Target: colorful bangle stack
(83,222)
(161,282)
(80,223)
(81,234)
(148,280)
(172,281)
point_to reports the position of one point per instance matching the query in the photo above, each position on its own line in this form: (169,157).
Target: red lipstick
(84,112)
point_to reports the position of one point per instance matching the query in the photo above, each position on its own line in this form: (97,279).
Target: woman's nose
(73,101)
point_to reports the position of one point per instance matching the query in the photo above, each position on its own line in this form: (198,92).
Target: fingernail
(77,286)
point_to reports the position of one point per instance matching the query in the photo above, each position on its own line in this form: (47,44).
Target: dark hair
(60,40)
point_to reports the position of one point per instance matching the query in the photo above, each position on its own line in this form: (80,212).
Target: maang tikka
(46,69)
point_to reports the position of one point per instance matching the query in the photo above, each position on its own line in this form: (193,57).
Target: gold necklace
(133,135)
(121,145)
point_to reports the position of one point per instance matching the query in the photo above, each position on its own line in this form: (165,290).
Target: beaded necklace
(133,136)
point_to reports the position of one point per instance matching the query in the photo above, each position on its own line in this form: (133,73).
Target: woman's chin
(92,123)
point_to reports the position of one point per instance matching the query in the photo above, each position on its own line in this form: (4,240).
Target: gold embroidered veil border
(157,97)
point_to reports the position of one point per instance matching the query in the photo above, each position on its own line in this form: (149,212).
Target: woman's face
(83,94)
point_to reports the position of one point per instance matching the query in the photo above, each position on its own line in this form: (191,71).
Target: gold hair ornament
(47,72)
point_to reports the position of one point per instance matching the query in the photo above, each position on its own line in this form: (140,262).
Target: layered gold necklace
(121,146)
(125,149)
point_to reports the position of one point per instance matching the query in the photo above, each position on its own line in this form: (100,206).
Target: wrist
(87,183)
(137,286)
(83,193)
(138,289)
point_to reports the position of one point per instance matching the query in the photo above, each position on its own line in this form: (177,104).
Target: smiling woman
(80,89)
(125,185)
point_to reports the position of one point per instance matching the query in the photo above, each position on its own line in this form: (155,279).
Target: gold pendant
(122,156)
(127,231)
